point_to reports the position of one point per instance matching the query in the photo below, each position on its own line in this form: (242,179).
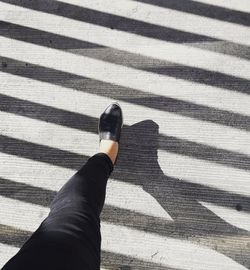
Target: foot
(110,125)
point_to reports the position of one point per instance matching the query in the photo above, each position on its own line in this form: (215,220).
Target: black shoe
(110,123)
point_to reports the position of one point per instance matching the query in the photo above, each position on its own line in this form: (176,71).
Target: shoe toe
(113,109)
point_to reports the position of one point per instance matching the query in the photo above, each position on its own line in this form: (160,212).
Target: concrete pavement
(179,196)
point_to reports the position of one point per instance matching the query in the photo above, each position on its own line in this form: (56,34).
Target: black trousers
(69,238)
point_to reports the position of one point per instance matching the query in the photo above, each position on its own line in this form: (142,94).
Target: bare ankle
(110,148)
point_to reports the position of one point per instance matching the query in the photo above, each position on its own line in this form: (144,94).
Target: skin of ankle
(110,148)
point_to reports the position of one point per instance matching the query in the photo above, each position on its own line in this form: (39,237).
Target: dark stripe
(26,193)
(205,10)
(186,192)
(203,152)
(41,153)
(43,38)
(132,96)
(110,21)
(121,262)
(13,236)
(48,114)
(138,139)
(183,72)
(60,42)
(206,77)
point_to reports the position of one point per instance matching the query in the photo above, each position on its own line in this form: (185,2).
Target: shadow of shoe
(138,153)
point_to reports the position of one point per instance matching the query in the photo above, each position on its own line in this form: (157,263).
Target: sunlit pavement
(179,197)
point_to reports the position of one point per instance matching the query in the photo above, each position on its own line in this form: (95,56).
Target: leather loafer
(110,123)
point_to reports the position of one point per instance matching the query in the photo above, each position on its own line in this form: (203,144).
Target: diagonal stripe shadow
(179,230)
(41,153)
(151,53)
(87,123)
(124,217)
(190,217)
(74,161)
(43,38)
(43,197)
(115,56)
(110,21)
(202,9)
(128,263)
(15,237)
(132,96)
(134,26)
(26,193)
(56,41)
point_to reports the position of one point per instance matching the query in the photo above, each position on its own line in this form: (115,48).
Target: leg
(69,238)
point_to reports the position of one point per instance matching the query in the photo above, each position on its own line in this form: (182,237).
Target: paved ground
(179,197)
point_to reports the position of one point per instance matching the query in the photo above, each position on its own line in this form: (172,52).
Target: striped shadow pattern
(179,197)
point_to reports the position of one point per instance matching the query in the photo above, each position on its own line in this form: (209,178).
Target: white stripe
(242,5)
(119,194)
(170,18)
(134,198)
(231,216)
(40,132)
(177,53)
(34,173)
(167,251)
(187,169)
(144,81)
(6,252)
(170,124)
(124,195)
(22,215)
(135,79)
(205,173)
